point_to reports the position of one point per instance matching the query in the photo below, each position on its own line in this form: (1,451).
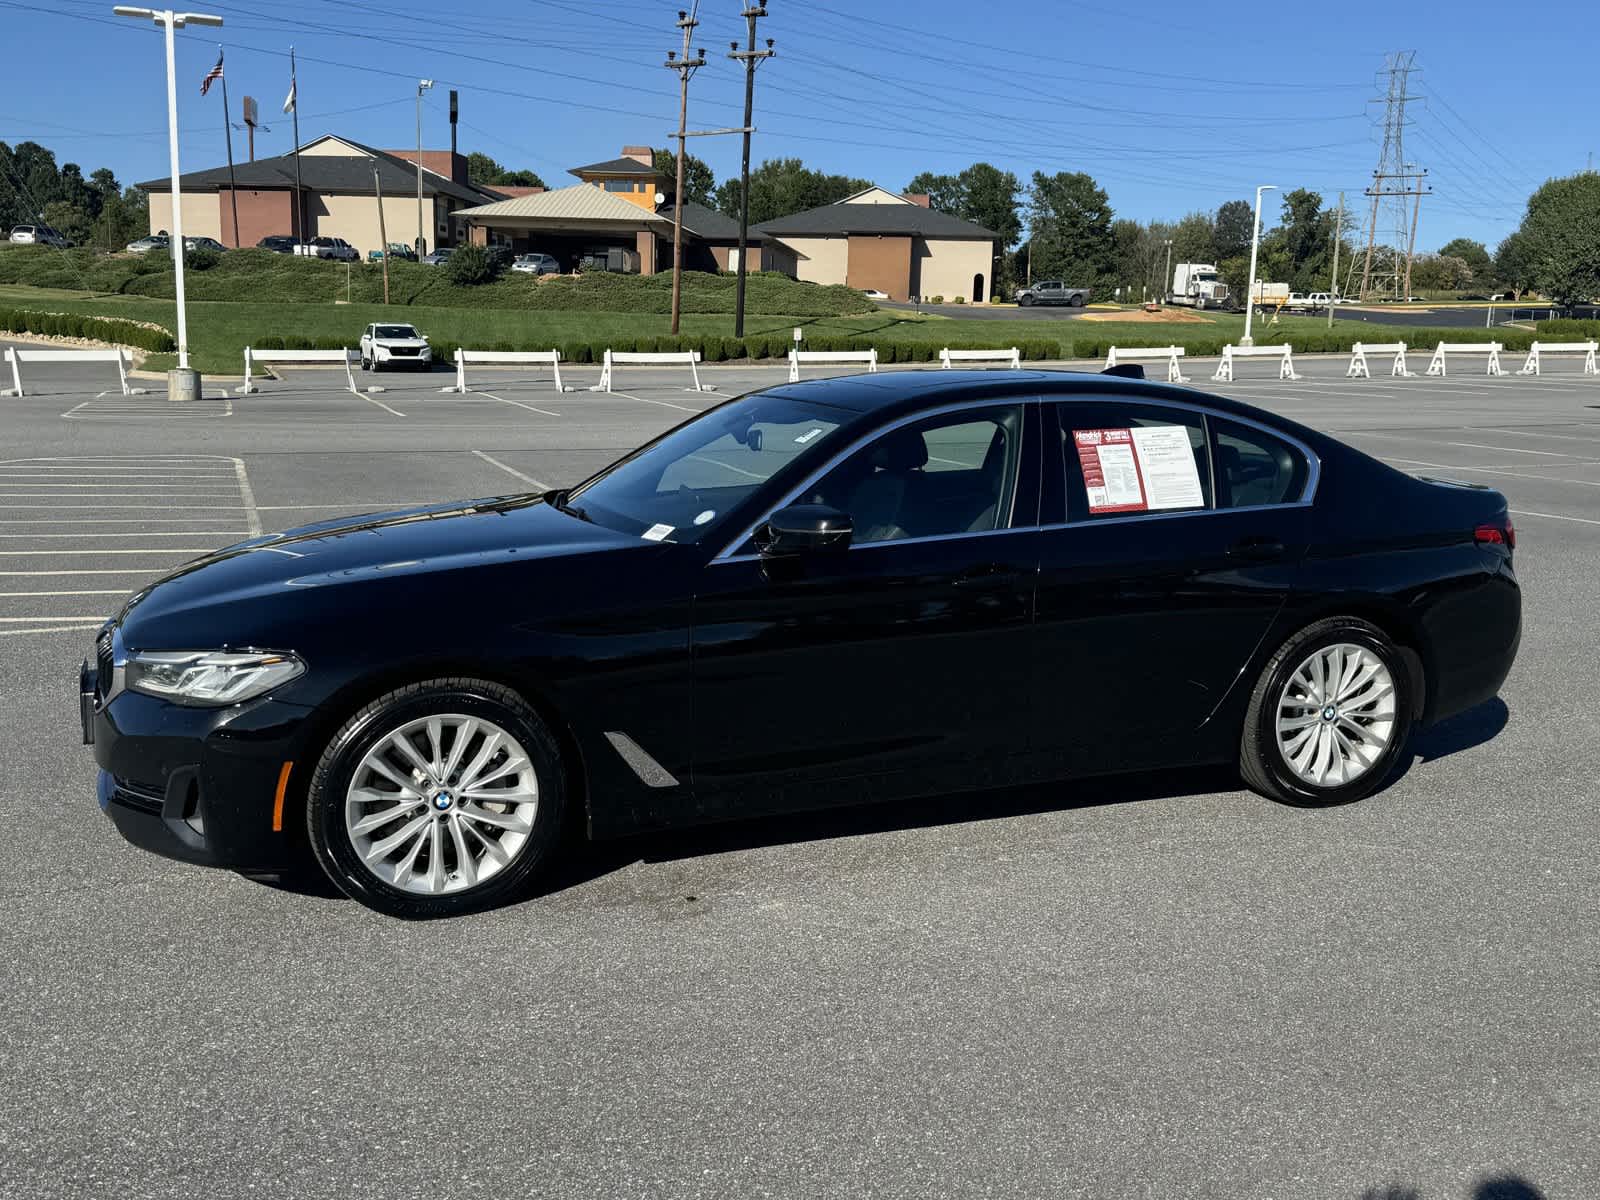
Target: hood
(400,341)
(313,560)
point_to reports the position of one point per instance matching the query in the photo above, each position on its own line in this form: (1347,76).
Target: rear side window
(1125,460)
(1254,467)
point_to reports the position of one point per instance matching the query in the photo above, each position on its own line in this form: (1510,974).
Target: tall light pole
(422,246)
(1166,284)
(182,383)
(1255,245)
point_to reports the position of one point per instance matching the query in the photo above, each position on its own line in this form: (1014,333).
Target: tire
(1025,302)
(366,364)
(422,876)
(1373,724)
(1076,301)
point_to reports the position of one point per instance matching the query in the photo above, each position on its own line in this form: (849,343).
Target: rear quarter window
(1254,467)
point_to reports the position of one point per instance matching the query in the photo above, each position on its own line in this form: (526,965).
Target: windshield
(680,487)
(394,331)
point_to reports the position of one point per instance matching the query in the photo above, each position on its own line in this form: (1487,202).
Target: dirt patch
(1138,316)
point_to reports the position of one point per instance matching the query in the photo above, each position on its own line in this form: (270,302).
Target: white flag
(288,104)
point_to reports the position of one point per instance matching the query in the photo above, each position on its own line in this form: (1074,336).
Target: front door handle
(1256,549)
(992,575)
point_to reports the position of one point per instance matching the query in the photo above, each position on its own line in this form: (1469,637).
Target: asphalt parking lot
(1161,987)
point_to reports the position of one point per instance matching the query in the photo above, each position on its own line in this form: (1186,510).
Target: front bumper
(196,784)
(400,358)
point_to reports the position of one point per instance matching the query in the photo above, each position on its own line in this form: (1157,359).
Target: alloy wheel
(442,804)
(1336,715)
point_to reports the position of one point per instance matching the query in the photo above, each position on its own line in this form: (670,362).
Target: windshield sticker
(807,436)
(705,516)
(1138,470)
(656,533)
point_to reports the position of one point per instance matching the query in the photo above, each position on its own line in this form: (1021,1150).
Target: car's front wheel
(1025,302)
(1329,717)
(437,799)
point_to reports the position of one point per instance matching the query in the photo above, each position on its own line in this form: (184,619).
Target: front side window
(946,475)
(1254,467)
(1130,459)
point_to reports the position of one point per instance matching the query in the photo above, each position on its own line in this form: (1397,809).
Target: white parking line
(518,403)
(147,533)
(1413,462)
(94,571)
(100,553)
(91,623)
(543,487)
(380,404)
(247,494)
(1555,437)
(662,403)
(1508,449)
(1523,512)
(111,592)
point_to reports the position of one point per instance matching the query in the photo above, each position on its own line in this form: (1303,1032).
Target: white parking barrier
(867,358)
(16,357)
(253,356)
(1169,354)
(1006,358)
(1444,349)
(1358,360)
(640,358)
(1587,349)
(1284,354)
(536,358)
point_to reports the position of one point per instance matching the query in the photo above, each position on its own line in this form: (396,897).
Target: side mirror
(804,529)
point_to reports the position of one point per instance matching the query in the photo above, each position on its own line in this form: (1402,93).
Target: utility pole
(383,230)
(422,244)
(1395,180)
(1167,282)
(752,58)
(685,67)
(1333,287)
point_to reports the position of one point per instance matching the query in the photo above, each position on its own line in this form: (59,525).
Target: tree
(781,186)
(1233,228)
(1561,234)
(1071,222)
(1194,240)
(69,220)
(1475,255)
(1307,237)
(486,172)
(982,194)
(1513,264)
(945,192)
(699,184)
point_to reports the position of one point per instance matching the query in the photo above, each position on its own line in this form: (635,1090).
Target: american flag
(214,73)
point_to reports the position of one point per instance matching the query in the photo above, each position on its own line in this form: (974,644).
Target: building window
(620,185)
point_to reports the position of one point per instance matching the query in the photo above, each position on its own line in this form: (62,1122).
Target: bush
(1567,327)
(936,300)
(471,266)
(960,300)
(199,260)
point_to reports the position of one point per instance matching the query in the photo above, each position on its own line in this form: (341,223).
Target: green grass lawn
(219,331)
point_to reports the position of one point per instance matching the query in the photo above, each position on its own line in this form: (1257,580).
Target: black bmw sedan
(882,586)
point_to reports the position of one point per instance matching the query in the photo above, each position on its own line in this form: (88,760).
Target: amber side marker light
(277,799)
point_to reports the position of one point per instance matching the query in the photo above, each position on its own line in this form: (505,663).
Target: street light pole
(182,383)
(1166,284)
(1255,246)
(422,246)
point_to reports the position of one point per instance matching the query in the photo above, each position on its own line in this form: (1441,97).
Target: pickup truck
(1313,302)
(329,247)
(1052,292)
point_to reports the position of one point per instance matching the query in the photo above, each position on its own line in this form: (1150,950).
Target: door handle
(988,575)
(1256,549)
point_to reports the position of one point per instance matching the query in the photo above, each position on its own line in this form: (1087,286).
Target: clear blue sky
(1176,108)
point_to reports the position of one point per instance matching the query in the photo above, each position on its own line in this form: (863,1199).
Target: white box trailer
(1197,285)
(1269,295)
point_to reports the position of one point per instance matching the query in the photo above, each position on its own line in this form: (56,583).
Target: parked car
(396,250)
(875,294)
(37,235)
(278,243)
(329,247)
(144,245)
(438,257)
(394,346)
(536,264)
(203,243)
(932,582)
(1313,302)
(1052,292)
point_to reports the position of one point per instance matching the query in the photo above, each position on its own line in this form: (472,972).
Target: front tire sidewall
(1287,786)
(325,805)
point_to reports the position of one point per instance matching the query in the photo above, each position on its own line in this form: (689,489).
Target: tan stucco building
(338,197)
(877,239)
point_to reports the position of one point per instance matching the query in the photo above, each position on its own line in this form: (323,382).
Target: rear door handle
(1256,549)
(992,575)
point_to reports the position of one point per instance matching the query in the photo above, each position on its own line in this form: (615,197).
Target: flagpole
(233,184)
(294,109)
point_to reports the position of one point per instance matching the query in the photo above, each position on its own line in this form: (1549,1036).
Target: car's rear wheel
(437,799)
(1329,717)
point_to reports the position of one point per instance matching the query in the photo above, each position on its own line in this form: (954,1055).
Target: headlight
(210,678)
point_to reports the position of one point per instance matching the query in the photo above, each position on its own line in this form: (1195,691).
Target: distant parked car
(1052,292)
(439,257)
(875,294)
(144,245)
(278,243)
(394,346)
(37,235)
(536,264)
(396,250)
(203,243)
(329,247)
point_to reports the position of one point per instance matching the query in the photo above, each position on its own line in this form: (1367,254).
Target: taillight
(1496,535)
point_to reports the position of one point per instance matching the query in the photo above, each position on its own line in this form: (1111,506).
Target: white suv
(385,345)
(37,235)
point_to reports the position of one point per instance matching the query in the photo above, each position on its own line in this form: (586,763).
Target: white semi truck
(1197,285)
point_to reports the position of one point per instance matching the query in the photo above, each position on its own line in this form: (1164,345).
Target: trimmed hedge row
(1567,327)
(101,329)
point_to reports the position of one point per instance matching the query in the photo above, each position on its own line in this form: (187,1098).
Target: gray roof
(580,202)
(902,220)
(615,166)
(327,173)
(708,224)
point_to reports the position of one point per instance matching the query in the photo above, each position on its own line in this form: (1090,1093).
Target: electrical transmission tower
(1397,185)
